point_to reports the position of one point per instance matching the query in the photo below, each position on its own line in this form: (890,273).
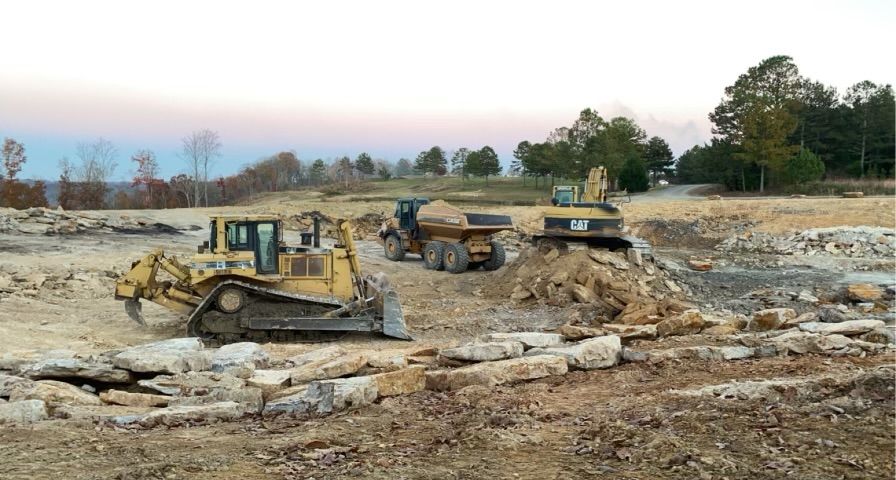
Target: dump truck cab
(406,213)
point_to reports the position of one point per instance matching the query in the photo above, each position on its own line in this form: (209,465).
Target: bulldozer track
(217,327)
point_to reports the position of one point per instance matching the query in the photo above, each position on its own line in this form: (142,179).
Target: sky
(393,78)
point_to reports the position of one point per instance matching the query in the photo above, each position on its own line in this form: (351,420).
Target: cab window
(237,236)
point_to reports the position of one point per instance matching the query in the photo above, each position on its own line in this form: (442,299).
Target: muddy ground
(620,423)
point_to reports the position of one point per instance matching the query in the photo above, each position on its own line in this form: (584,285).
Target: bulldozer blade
(393,318)
(135,310)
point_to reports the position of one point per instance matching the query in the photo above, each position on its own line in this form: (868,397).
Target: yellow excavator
(586,219)
(246,283)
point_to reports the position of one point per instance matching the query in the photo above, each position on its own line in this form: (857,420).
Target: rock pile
(599,283)
(45,221)
(62,281)
(859,242)
(176,382)
(362,226)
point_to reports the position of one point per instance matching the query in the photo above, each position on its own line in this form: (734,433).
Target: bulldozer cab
(259,235)
(406,213)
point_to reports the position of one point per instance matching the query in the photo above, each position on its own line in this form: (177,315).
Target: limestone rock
(577,332)
(805,342)
(239,359)
(881,335)
(600,352)
(609,258)
(687,323)
(190,383)
(387,360)
(167,356)
(496,373)
(321,354)
(25,411)
(770,319)
(484,352)
(249,398)
(631,332)
(528,339)
(270,381)
(551,256)
(327,396)
(583,294)
(690,353)
(400,382)
(325,369)
(52,393)
(119,397)
(849,327)
(724,329)
(14,361)
(75,368)
(864,292)
(639,314)
(173,416)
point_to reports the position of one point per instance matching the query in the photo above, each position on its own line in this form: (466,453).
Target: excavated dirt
(55,293)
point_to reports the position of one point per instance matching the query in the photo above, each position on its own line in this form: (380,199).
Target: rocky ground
(746,360)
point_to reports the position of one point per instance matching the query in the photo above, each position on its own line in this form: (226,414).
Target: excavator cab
(565,194)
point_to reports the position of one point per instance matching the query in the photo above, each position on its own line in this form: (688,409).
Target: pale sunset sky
(393,78)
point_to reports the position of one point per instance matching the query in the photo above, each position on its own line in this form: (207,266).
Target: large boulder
(327,396)
(600,352)
(176,355)
(249,398)
(805,342)
(239,359)
(639,314)
(321,354)
(528,339)
(401,382)
(578,332)
(118,397)
(15,361)
(691,353)
(484,352)
(882,335)
(344,365)
(270,381)
(631,332)
(497,373)
(52,393)
(770,319)
(864,292)
(173,416)
(849,327)
(687,323)
(191,383)
(75,368)
(25,411)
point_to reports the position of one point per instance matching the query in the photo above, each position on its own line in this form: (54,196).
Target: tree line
(776,127)
(619,144)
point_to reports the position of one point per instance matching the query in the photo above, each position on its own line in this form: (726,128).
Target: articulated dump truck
(447,238)
(246,283)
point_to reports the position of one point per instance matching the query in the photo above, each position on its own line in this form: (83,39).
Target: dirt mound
(697,233)
(602,285)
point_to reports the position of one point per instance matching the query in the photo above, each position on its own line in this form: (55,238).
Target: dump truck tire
(456,258)
(392,247)
(433,253)
(498,256)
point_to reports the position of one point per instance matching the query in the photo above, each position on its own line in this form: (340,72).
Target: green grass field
(501,190)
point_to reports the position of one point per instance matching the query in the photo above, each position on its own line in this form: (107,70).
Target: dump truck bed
(449,222)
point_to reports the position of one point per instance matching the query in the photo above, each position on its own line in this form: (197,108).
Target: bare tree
(200,149)
(97,165)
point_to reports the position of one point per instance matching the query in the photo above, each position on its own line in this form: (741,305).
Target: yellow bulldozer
(579,218)
(246,283)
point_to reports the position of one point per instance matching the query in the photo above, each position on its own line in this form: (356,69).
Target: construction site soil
(638,421)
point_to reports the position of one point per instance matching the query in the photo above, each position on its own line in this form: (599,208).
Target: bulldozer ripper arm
(345,234)
(140,282)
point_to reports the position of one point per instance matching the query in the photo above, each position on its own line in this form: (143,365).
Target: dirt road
(671,193)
